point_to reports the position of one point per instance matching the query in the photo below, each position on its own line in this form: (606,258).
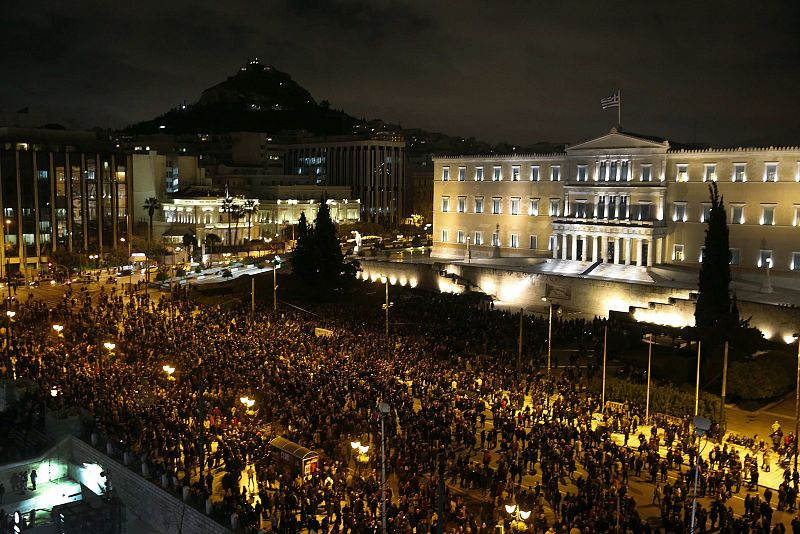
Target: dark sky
(520,71)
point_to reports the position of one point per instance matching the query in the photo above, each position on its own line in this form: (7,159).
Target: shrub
(180,272)
(161,276)
(766,376)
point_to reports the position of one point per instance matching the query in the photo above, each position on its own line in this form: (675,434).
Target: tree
(250,207)
(303,262)
(328,252)
(228,207)
(189,241)
(713,311)
(212,240)
(151,205)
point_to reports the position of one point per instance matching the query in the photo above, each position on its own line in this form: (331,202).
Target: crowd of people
(469,430)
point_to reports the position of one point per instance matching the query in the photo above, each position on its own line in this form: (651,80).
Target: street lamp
(276,264)
(383,408)
(387,304)
(550,329)
(361,453)
(58,329)
(10,314)
(248,404)
(701,426)
(169,370)
(519,517)
(650,342)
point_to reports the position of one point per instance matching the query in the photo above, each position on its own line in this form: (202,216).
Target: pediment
(619,140)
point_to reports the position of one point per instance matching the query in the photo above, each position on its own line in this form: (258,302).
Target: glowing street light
(169,370)
(58,328)
(11,314)
(54,392)
(110,346)
(520,516)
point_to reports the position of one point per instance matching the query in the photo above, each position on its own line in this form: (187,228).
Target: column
(574,247)
(639,251)
(627,251)
(585,251)
(650,251)
(595,248)
(555,246)
(603,248)
(564,246)
(659,250)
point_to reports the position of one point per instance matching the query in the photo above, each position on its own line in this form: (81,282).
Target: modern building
(622,198)
(63,189)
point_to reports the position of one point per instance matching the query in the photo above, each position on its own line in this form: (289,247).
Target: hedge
(767,376)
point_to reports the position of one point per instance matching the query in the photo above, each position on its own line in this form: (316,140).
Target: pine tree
(303,262)
(713,311)
(328,252)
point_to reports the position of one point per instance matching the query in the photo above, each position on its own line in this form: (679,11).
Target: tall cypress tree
(328,252)
(713,311)
(303,261)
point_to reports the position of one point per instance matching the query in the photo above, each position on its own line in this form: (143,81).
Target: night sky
(725,73)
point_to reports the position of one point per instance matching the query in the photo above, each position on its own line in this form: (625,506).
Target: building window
(739,172)
(462,205)
(552,244)
(683,173)
(515,206)
(624,174)
(498,174)
(478,204)
(460,237)
(462,174)
(765,258)
(602,172)
(515,173)
(580,208)
(582,173)
(555,173)
(495,205)
(705,213)
(555,207)
(533,242)
(535,173)
(796,218)
(647,172)
(445,174)
(478,238)
(768,215)
(795,261)
(771,172)
(514,240)
(710,172)
(445,204)
(533,209)
(679,213)
(478,174)
(702,254)
(677,253)
(735,256)
(737,214)
(445,235)
(496,239)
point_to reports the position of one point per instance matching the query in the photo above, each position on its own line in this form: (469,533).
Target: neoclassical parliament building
(621,198)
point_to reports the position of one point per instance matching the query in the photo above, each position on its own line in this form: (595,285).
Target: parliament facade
(621,198)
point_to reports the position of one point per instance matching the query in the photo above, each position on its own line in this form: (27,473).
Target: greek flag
(610,101)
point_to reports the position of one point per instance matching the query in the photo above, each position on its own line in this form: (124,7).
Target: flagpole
(619,109)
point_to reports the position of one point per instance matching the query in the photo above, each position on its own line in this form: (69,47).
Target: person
(33,479)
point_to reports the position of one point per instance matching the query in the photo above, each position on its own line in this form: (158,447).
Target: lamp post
(797,406)
(58,329)
(697,384)
(170,370)
(550,330)
(701,426)
(469,255)
(248,404)
(387,304)
(109,346)
(650,342)
(383,408)
(361,453)
(10,314)
(275,266)
(519,516)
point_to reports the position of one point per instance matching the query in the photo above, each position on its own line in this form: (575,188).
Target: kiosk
(294,459)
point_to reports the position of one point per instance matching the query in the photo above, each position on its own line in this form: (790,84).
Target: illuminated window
(582,173)
(677,253)
(535,173)
(647,172)
(496,205)
(533,209)
(552,243)
(602,172)
(478,238)
(496,239)
(710,172)
(478,204)
(445,235)
(445,204)
(624,175)
(515,173)
(736,256)
(767,215)
(771,172)
(462,205)
(462,174)
(739,172)
(555,207)
(533,242)
(498,174)
(679,212)
(445,174)
(737,214)
(515,206)
(478,174)
(555,173)
(460,238)
(682,173)
(514,240)
(795,261)
(705,212)
(765,258)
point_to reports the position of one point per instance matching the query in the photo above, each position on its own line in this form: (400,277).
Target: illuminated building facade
(61,189)
(622,199)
